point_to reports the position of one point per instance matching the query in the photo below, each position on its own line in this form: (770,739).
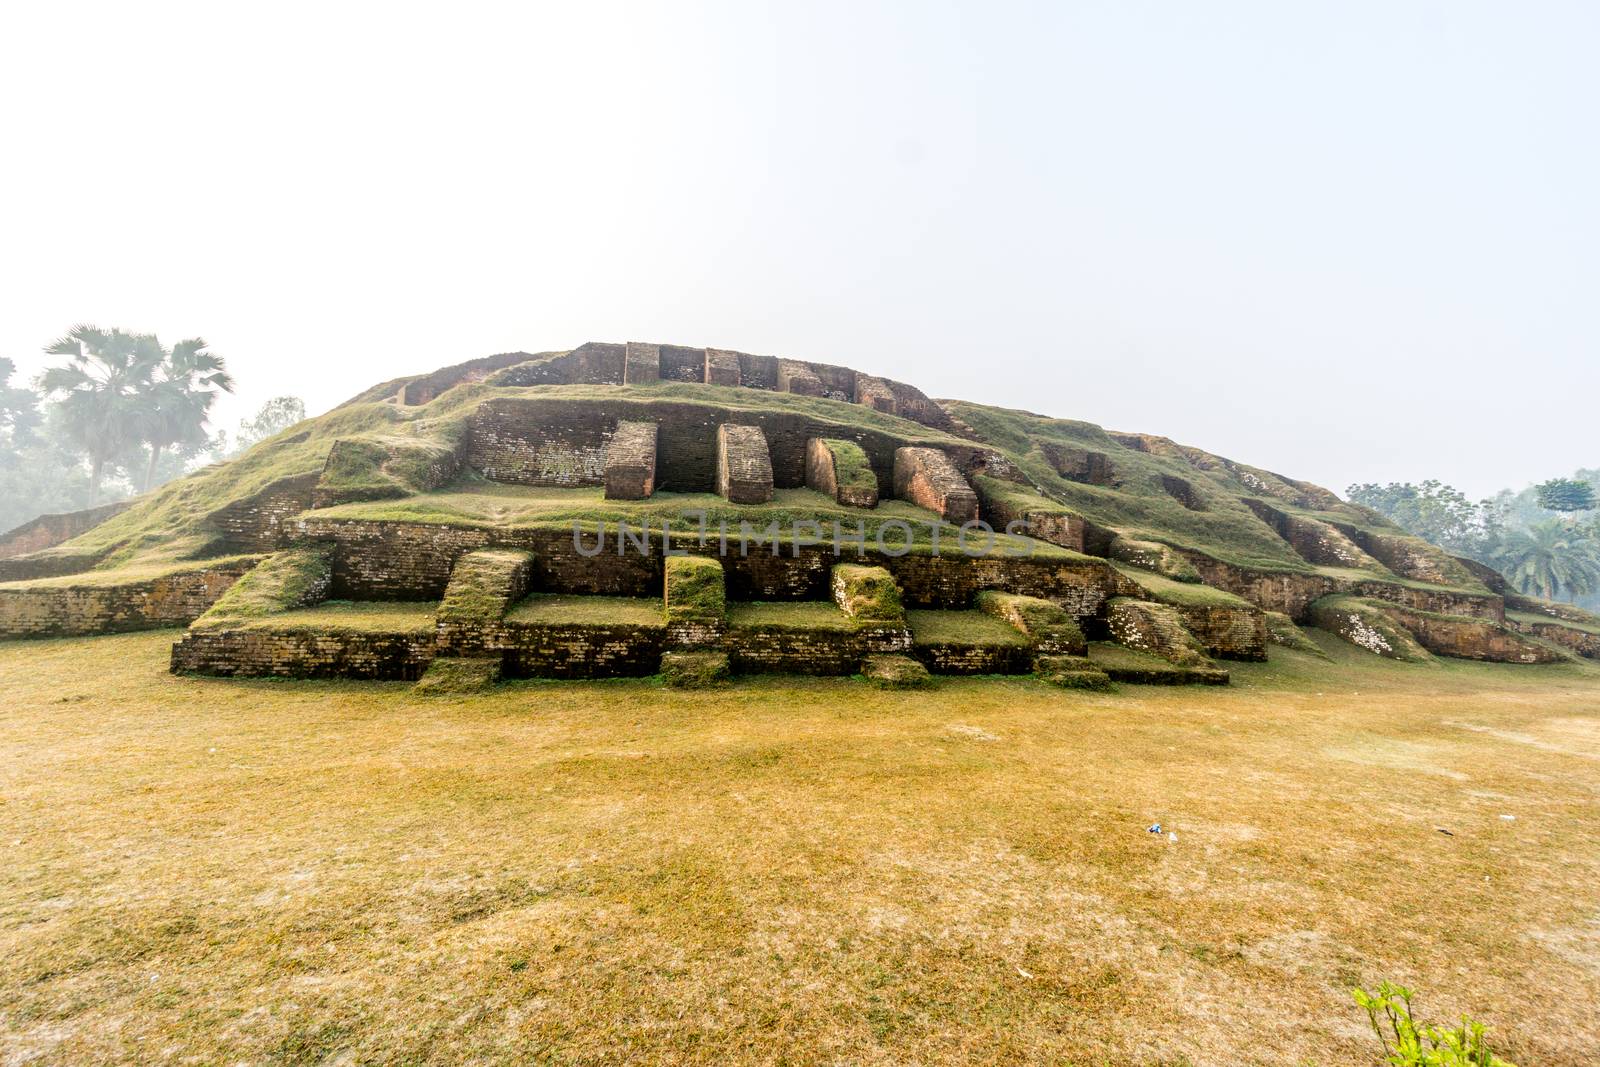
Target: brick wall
(267,653)
(265,520)
(47,531)
(173,599)
(744,466)
(927,477)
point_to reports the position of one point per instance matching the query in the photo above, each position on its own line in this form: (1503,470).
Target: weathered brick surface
(1079,464)
(927,478)
(876,394)
(421,390)
(682,364)
(1583,642)
(1468,638)
(172,599)
(1315,541)
(943,658)
(1409,557)
(630,461)
(298,653)
(797,378)
(51,563)
(822,475)
(1055,525)
(483,587)
(47,531)
(1228,633)
(744,466)
(794,651)
(555,441)
(641,364)
(1158,629)
(721,367)
(1049,628)
(592,363)
(581,651)
(264,521)
(1292,593)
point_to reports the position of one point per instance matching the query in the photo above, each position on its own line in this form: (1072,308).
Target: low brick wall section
(264,521)
(174,599)
(927,477)
(974,659)
(1316,542)
(367,656)
(721,367)
(1465,638)
(1582,642)
(1293,593)
(575,651)
(48,531)
(413,561)
(1228,633)
(772,651)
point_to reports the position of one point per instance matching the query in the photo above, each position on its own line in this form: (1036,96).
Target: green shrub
(1407,1043)
(695,591)
(867,593)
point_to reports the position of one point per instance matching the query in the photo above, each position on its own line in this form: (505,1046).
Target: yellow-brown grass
(790,871)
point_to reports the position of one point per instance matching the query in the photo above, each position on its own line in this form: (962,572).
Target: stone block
(744,466)
(927,478)
(641,364)
(630,461)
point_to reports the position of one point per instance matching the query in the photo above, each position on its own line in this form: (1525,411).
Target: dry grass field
(787,871)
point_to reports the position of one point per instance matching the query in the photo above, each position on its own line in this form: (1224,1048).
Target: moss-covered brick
(694,670)
(1281,630)
(458,675)
(695,590)
(1368,624)
(284,581)
(842,470)
(1048,626)
(867,593)
(1155,629)
(890,671)
(1071,672)
(484,585)
(1153,556)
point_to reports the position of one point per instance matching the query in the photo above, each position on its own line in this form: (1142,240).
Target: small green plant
(1407,1043)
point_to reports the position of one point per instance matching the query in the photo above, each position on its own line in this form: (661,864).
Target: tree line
(1544,539)
(121,413)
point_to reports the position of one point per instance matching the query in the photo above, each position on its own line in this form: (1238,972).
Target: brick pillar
(630,461)
(744,466)
(927,478)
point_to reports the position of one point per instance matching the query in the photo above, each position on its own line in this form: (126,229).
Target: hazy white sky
(1345,241)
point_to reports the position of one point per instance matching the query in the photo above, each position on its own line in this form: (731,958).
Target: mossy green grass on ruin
(1536,619)
(695,589)
(283,581)
(551,609)
(789,615)
(851,468)
(149,569)
(1182,594)
(363,616)
(975,628)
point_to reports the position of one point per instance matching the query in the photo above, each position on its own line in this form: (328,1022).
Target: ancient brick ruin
(632,508)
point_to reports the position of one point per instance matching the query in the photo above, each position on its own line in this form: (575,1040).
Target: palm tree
(1548,559)
(182,390)
(101,398)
